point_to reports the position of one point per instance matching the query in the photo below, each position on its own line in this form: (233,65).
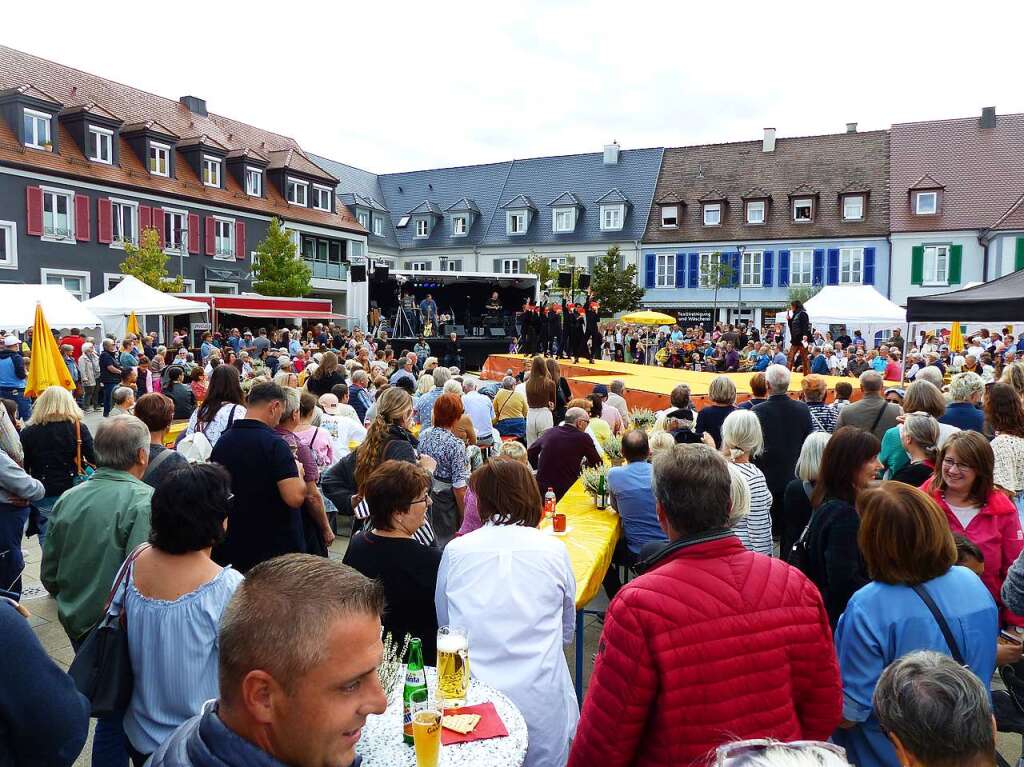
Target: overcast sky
(391,86)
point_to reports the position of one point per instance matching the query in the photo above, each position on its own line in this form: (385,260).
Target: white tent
(133,295)
(62,310)
(858,307)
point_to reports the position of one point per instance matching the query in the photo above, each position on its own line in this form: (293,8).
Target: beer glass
(426,733)
(452,665)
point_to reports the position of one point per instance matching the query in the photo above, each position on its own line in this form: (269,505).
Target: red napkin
(489,726)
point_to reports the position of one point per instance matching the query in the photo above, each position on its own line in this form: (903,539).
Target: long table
(590,538)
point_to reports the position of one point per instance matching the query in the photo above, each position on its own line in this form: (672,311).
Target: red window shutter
(83,218)
(240,240)
(34,211)
(105,220)
(211,236)
(193,234)
(158,224)
(145,219)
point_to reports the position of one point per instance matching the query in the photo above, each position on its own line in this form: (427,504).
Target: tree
(802,293)
(277,269)
(541,266)
(616,288)
(147,262)
(716,274)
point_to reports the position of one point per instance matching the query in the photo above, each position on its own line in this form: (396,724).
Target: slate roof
(361,187)
(980,169)
(821,165)
(427,206)
(566,200)
(465,204)
(612,196)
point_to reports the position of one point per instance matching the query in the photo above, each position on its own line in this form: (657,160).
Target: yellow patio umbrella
(648,318)
(956,338)
(46,368)
(133,325)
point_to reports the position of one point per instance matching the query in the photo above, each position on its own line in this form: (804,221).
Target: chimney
(988,117)
(611,153)
(768,144)
(195,105)
(851,127)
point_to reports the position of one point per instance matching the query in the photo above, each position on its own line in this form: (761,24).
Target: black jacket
(321,386)
(50,450)
(834,561)
(785,424)
(799,326)
(184,400)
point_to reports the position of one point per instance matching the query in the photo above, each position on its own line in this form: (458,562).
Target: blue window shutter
(833,266)
(694,270)
(735,268)
(680,270)
(652,265)
(818,276)
(869,266)
(767,277)
(783,268)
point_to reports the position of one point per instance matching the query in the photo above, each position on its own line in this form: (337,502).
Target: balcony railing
(327,271)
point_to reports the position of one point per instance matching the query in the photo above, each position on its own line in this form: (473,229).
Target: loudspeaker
(358,273)
(496,332)
(380,274)
(565,280)
(583,282)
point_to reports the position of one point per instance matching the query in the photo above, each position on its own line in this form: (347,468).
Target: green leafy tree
(277,268)
(148,262)
(716,274)
(803,292)
(541,266)
(616,288)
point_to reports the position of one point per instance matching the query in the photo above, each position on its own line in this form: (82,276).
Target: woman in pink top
(318,439)
(894,368)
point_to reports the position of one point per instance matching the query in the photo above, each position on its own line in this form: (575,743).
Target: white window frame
(232,287)
(934,276)
(158,149)
(851,266)
(756,205)
(454,265)
(847,199)
(116,221)
(568,214)
(363,218)
(322,194)
(45,274)
(70,238)
(218,239)
(519,216)
(752,269)
(510,266)
(797,259)
(190,286)
(214,166)
(460,224)
(665,270)
(669,216)
(111,280)
(613,217)
(557,262)
(711,207)
(253,181)
(171,247)
(104,139)
(294,184)
(933,196)
(419,266)
(703,264)
(422,228)
(378,225)
(9,233)
(801,202)
(37,118)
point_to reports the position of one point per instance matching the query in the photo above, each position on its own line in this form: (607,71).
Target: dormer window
(853,207)
(378,226)
(669,216)
(254,182)
(211,171)
(611,217)
(755,211)
(159,159)
(803,210)
(422,227)
(297,192)
(322,198)
(37,130)
(363,218)
(712,214)
(563,220)
(460,226)
(101,145)
(515,222)
(926,203)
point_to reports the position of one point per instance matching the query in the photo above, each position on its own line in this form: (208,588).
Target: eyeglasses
(425,500)
(949,463)
(724,755)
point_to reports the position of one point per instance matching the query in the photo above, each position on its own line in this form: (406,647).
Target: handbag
(83,470)
(102,668)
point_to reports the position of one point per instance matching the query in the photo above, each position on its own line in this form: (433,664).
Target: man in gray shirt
(871,413)
(261,343)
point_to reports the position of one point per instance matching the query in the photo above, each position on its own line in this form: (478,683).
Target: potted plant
(612,446)
(642,418)
(592,478)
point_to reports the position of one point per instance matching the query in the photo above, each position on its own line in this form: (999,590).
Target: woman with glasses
(398,496)
(964,487)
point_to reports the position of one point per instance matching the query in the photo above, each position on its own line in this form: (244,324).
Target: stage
(647,386)
(475,349)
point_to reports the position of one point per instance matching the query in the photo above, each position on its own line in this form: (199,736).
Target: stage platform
(475,349)
(647,386)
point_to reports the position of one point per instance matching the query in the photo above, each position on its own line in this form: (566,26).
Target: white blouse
(1009,468)
(216,427)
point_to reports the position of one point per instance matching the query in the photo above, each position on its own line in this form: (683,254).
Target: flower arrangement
(612,446)
(592,478)
(642,418)
(390,670)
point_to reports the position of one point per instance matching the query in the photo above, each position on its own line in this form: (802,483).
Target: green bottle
(415,679)
(602,492)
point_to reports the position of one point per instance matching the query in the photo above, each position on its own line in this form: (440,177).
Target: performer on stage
(428,314)
(577,338)
(592,328)
(494,304)
(799,330)
(529,328)
(408,309)
(542,326)
(554,325)
(565,348)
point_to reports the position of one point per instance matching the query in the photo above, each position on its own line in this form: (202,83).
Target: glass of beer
(452,665)
(426,733)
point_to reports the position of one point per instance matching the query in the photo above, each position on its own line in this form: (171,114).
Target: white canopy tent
(62,310)
(133,295)
(858,307)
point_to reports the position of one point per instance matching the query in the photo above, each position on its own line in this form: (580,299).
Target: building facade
(87,165)
(764,221)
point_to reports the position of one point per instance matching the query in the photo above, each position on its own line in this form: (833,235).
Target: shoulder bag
(947,633)
(83,470)
(102,668)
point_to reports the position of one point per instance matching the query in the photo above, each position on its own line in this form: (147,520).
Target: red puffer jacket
(714,644)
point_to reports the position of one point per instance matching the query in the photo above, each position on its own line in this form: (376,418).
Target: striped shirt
(824,417)
(755,529)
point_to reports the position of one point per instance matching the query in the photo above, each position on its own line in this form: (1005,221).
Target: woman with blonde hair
(742,441)
(51,440)
(1014,376)
(540,397)
(424,384)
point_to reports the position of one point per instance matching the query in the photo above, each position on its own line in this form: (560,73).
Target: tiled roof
(518,202)
(981,170)
(427,206)
(27,89)
(203,140)
(357,186)
(464,204)
(293,159)
(823,165)
(566,200)
(91,108)
(755,193)
(612,196)
(137,108)
(927,182)
(1012,218)
(148,125)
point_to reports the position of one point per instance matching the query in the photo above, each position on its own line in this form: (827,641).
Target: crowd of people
(831,578)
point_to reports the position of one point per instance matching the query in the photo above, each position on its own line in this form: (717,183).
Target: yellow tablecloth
(176,428)
(590,538)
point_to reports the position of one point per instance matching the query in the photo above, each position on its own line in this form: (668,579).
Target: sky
(393,86)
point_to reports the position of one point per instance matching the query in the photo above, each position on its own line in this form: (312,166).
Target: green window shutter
(917,265)
(1019,262)
(956,254)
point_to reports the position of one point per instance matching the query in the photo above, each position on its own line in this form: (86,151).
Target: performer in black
(453,352)
(543,331)
(529,329)
(553,321)
(577,339)
(565,348)
(494,304)
(799,330)
(592,330)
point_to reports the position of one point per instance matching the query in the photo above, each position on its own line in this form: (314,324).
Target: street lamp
(741,249)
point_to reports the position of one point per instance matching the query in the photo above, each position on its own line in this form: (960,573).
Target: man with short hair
(404,371)
(359,396)
(264,518)
(183,396)
(299,647)
(706,608)
(559,451)
(123,400)
(871,412)
(480,409)
(616,389)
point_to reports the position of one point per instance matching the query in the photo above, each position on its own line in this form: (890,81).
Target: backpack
(196,447)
